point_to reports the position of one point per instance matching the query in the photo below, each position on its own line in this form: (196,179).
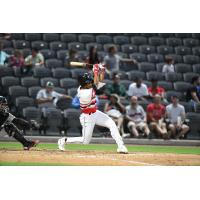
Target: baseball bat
(80,64)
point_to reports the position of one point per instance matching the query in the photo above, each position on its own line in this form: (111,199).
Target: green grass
(111,147)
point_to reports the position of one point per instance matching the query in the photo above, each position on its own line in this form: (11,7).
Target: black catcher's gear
(3,105)
(86,79)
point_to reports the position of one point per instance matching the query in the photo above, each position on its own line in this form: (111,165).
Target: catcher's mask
(3,104)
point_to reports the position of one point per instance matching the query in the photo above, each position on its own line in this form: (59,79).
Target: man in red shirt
(155,89)
(155,116)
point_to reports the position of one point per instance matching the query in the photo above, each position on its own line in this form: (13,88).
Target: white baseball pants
(88,122)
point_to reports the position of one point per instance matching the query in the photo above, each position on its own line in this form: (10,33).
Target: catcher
(13,125)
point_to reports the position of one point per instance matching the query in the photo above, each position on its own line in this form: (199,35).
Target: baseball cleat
(33,144)
(61,143)
(122,149)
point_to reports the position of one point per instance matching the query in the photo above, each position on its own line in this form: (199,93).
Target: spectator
(155,89)
(115,110)
(3,55)
(72,57)
(169,65)
(155,117)
(33,60)
(116,87)
(138,89)
(47,97)
(17,60)
(193,93)
(136,117)
(112,60)
(176,115)
(93,57)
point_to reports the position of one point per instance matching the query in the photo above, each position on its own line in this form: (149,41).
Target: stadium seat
(8,81)
(132,75)
(155,75)
(102,54)
(78,72)
(186,105)
(121,40)
(26,52)
(183,68)
(61,73)
(21,44)
(147,83)
(166,85)
(155,58)
(173,76)
(147,49)
(176,58)
(86,38)
(18,36)
(83,54)
(32,113)
(61,54)
(33,36)
(29,81)
(149,34)
(43,81)
(196,68)
(183,35)
(181,86)
(47,53)
(190,42)
(72,122)
(56,46)
(68,37)
(191,59)
(139,40)
(99,47)
(196,35)
(50,37)
(39,45)
(140,57)
(17,91)
(5,71)
(129,48)
(32,91)
(72,92)
(169,94)
(146,66)
(187,77)
(68,83)
(156,41)
(103,39)
(41,72)
(165,50)
(166,35)
(52,121)
(174,41)
(76,46)
(159,66)
(23,102)
(54,63)
(7,43)
(126,83)
(60,90)
(196,51)
(182,50)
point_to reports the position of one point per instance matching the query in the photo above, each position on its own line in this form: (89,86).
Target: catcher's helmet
(3,100)
(3,104)
(86,79)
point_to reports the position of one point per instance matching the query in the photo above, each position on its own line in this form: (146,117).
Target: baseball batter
(90,114)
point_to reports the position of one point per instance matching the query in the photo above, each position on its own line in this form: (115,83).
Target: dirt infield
(97,158)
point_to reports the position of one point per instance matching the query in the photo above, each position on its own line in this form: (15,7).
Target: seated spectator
(155,117)
(115,110)
(47,97)
(93,57)
(71,57)
(155,89)
(112,60)
(169,65)
(175,113)
(138,89)
(76,102)
(193,93)
(116,87)
(17,60)
(136,116)
(3,55)
(33,60)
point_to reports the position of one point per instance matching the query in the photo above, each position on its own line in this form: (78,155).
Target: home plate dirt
(96,158)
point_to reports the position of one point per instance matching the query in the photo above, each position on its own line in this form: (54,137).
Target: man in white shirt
(136,116)
(138,89)
(47,97)
(112,60)
(176,116)
(169,66)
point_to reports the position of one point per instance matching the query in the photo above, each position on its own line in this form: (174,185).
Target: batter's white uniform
(91,116)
